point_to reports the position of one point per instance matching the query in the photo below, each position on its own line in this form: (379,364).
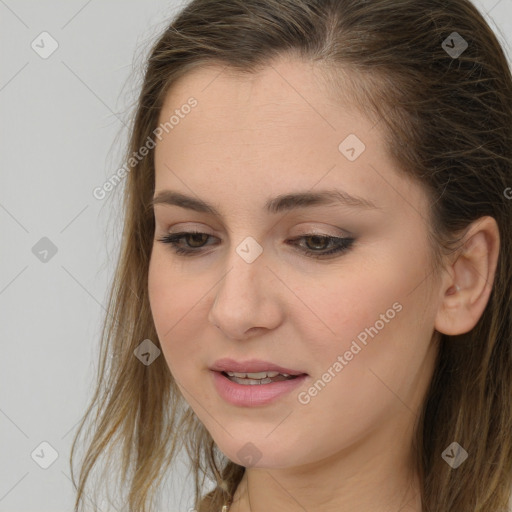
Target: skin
(257,136)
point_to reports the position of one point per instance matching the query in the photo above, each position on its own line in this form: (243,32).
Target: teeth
(249,382)
(258,375)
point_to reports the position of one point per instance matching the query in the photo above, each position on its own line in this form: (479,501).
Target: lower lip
(250,395)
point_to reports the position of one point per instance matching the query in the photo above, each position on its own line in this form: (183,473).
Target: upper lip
(251,366)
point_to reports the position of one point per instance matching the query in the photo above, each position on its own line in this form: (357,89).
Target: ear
(468,281)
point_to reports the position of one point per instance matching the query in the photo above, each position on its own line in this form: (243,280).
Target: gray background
(62,128)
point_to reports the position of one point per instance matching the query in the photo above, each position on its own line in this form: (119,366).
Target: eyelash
(343,245)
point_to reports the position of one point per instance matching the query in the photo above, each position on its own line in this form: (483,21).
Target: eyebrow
(274,205)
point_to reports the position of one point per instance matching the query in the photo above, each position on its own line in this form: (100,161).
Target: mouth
(256,378)
(252,392)
(254,369)
(254,382)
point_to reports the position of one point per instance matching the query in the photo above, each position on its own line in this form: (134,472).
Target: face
(259,284)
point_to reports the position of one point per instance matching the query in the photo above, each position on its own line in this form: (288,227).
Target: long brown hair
(447,119)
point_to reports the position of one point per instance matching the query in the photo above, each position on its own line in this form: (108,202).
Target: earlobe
(466,289)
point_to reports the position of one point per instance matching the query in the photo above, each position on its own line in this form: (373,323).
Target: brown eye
(317,246)
(319,243)
(193,241)
(198,238)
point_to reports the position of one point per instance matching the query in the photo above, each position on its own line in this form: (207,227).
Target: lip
(251,366)
(244,395)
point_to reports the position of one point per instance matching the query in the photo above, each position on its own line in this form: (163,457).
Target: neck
(366,477)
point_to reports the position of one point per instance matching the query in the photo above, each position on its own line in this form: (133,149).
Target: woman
(313,291)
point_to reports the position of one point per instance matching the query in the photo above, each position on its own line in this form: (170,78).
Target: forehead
(281,126)
(285,87)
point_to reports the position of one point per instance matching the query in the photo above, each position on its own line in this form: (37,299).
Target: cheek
(337,311)
(173,293)
(381,325)
(174,300)
(376,315)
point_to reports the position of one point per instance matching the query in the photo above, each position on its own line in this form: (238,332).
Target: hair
(447,123)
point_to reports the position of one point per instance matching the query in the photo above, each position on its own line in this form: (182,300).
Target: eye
(174,239)
(198,240)
(337,244)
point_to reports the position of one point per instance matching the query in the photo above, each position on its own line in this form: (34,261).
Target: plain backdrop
(62,125)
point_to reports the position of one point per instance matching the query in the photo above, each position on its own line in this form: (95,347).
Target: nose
(247,299)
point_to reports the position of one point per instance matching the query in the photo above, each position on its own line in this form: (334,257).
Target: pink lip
(251,366)
(253,395)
